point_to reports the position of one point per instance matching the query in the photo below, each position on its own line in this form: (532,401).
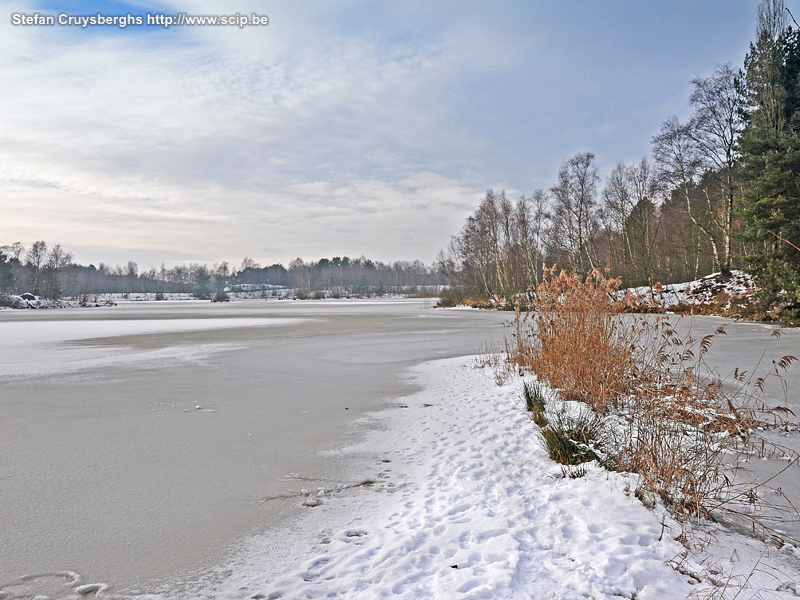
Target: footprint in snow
(314,570)
(355,536)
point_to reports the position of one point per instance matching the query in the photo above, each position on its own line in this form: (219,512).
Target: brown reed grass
(676,426)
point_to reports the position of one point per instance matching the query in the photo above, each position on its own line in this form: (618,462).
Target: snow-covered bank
(18,301)
(717,293)
(466,504)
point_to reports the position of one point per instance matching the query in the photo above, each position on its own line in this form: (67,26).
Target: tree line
(50,272)
(721,191)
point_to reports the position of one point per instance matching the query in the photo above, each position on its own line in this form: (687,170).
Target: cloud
(340,128)
(198,142)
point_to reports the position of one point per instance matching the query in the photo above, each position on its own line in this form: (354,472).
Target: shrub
(451,296)
(578,339)
(8,301)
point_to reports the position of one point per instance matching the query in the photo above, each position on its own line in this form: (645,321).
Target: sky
(343,127)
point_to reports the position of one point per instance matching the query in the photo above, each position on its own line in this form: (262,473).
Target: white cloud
(194,138)
(340,128)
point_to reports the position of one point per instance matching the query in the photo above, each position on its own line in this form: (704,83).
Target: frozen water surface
(233,451)
(141,440)
(32,348)
(754,347)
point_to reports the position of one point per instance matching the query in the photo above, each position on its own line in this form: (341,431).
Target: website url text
(159,19)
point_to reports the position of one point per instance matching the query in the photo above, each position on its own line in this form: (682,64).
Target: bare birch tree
(574,212)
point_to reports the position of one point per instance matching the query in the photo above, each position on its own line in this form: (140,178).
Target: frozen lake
(139,442)
(753,347)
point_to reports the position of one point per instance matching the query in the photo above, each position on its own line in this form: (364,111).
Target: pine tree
(8,279)
(770,159)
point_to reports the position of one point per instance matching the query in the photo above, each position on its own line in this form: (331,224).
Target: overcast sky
(341,128)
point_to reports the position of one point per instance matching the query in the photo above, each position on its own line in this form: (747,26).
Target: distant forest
(51,273)
(722,191)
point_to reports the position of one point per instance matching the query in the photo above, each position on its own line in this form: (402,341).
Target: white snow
(47,347)
(706,290)
(468,505)
(13,301)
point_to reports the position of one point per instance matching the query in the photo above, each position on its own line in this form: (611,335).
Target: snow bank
(12,301)
(712,290)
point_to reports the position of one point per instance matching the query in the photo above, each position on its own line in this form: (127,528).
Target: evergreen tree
(770,159)
(8,279)
(202,288)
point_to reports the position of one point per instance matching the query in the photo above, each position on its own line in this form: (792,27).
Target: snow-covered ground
(715,290)
(466,504)
(16,301)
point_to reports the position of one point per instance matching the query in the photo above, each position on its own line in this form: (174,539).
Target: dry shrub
(673,422)
(577,340)
(491,357)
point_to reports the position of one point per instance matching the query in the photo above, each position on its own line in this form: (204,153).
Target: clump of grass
(573,440)
(535,402)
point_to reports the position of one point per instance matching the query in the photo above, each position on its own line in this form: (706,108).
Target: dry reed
(675,425)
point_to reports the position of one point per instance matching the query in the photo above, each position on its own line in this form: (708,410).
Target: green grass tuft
(572,441)
(534,401)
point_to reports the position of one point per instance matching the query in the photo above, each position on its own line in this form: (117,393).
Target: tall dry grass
(576,340)
(674,423)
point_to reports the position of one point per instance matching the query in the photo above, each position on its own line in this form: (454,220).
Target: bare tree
(574,213)
(300,273)
(715,128)
(35,259)
(498,253)
(530,216)
(632,217)
(14,250)
(52,271)
(680,167)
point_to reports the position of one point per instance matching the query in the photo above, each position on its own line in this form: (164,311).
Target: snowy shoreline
(468,505)
(447,493)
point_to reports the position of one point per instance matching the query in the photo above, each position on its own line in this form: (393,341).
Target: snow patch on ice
(35,348)
(64,585)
